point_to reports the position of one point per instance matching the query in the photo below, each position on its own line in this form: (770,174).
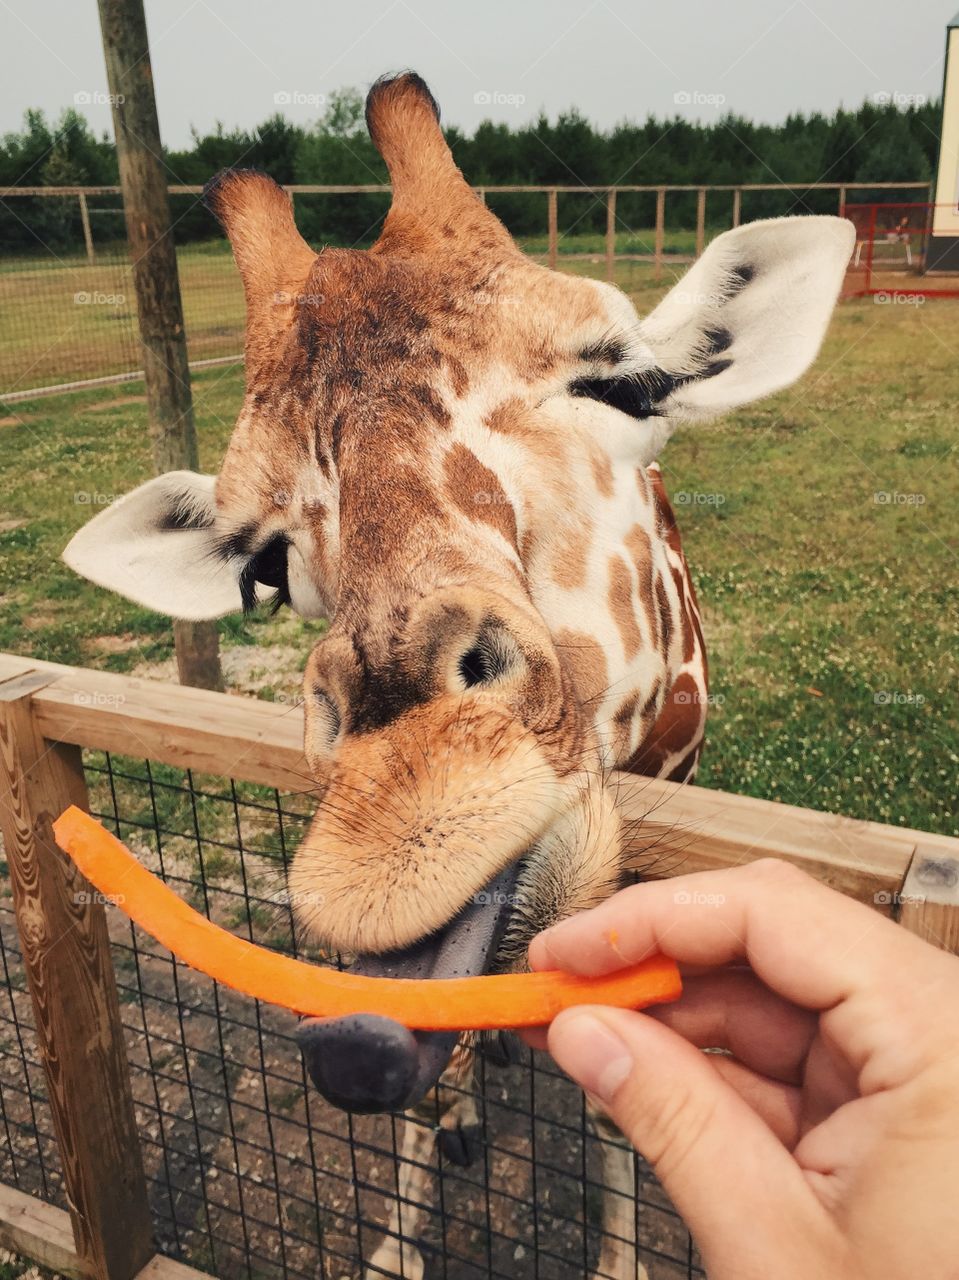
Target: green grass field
(63,319)
(820,527)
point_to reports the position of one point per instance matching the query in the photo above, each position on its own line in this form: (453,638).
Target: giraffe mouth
(368,1063)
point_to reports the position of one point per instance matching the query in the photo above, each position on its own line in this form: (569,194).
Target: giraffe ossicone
(450,452)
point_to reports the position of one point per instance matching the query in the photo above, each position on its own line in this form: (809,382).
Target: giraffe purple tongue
(368,1063)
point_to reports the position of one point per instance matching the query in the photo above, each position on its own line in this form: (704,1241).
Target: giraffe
(450,452)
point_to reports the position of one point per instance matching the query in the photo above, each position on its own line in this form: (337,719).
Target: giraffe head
(443,449)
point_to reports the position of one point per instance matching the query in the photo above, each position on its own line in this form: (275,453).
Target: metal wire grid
(69,308)
(251,1174)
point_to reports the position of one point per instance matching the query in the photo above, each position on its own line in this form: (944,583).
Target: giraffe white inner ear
(157,546)
(749,317)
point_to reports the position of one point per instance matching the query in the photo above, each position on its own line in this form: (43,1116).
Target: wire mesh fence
(67,303)
(251,1174)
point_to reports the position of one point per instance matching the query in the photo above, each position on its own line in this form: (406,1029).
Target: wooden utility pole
(146,204)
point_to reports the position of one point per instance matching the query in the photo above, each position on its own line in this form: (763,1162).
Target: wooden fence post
(929,899)
(610,231)
(87,233)
(553,224)
(660,230)
(737,207)
(146,205)
(700,221)
(66,956)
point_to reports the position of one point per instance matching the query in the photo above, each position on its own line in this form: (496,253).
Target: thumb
(715,1157)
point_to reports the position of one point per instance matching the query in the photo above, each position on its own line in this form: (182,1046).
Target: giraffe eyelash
(634,394)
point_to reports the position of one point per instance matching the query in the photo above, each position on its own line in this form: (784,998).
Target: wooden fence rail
(48,713)
(915,190)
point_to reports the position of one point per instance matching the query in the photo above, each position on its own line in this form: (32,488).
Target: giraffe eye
(268,568)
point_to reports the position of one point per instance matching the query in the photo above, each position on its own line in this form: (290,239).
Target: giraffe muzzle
(368,1063)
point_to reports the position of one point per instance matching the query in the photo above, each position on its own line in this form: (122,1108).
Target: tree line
(876,142)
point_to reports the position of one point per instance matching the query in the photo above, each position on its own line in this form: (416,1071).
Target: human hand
(826,1144)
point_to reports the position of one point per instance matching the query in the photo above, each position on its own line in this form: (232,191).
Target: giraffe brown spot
(623,725)
(538,361)
(602,472)
(685,771)
(637,543)
(695,623)
(426,398)
(569,560)
(528,547)
(505,418)
(514,419)
(584,659)
(665,518)
(321,455)
(677,726)
(621,606)
(665,615)
(629,712)
(478,493)
(374,532)
(458,375)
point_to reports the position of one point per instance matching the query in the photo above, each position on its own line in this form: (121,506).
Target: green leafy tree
(875,142)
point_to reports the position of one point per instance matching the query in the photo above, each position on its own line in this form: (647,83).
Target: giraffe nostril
(493,654)
(476,667)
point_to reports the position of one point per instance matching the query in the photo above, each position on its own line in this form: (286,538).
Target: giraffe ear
(749,317)
(273,258)
(158,547)
(433,208)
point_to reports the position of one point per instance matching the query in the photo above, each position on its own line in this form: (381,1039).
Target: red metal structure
(890,258)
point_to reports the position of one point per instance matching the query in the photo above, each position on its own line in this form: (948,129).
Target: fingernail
(591,1052)
(543,941)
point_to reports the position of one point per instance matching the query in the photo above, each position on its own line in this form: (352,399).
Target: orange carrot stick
(432,1004)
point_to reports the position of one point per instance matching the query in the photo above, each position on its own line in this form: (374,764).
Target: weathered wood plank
(552,227)
(928,901)
(673,827)
(700,221)
(242,738)
(334,189)
(660,232)
(610,232)
(160,1268)
(39,1231)
(66,956)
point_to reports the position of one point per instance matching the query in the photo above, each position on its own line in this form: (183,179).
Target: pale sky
(241,60)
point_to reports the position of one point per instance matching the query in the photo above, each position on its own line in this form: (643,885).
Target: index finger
(808,943)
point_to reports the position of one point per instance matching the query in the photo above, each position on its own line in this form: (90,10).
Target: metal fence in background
(67,306)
